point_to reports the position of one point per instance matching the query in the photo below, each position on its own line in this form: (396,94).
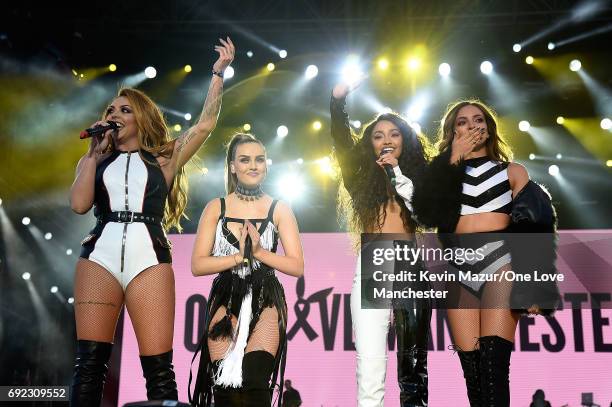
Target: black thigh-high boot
(90,367)
(257,369)
(225,396)
(412,330)
(159,374)
(495,354)
(470,363)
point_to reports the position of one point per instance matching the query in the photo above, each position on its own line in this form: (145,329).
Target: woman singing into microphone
(245,345)
(374,205)
(135,180)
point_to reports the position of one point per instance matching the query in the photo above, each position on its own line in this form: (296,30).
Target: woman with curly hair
(374,205)
(473,187)
(134,178)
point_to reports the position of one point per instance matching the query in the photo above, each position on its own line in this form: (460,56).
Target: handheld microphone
(387,167)
(96,130)
(248,248)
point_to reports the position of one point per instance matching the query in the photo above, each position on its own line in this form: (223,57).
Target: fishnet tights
(149,299)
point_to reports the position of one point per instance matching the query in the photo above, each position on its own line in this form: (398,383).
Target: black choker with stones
(248,194)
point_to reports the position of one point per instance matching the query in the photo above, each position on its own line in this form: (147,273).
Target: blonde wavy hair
(154,137)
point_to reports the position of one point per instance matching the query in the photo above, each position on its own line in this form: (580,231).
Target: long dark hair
(239,138)
(369,192)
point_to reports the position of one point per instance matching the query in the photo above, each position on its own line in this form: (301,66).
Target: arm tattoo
(211,109)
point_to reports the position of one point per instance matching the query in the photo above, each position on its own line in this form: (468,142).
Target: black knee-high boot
(225,396)
(157,371)
(412,330)
(90,367)
(470,363)
(257,369)
(494,371)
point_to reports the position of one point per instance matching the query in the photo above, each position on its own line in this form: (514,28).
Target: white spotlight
(524,125)
(291,186)
(228,73)
(575,65)
(282,131)
(54,289)
(551,46)
(70,300)
(269,161)
(532,156)
(553,170)
(486,67)
(559,156)
(26,276)
(26,221)
(356,124)
(282,53)
(606,124)
(48,236)
(250,54)
(187,116)
(150,72)
(444,69)
(387,109)
(0,201)
(416,127)
(311,71)
(516,48)
(68,252)
(351,71)
(300,161)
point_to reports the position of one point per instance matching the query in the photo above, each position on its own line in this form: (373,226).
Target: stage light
(529,60)
(532,156)
(68,252)
(416,127)
(516,48)
(553,170)
(415,112)
(177,127)
(70,300)
(187,116)
(486,67)
(270,67)
(246,127)
(204,171)
(351,71)
(250,54)
(150,72)
(560,120)
(187,68)
(606,124)
(291,186)
(559,156)
(414,63)
(311,71)
(575,65)
(112,67)
(317,125)
(609,163)
(383,63)
(300,161)
(356,124)
(48,236)
(26,221)
(524,125)
(282,131)
(54,289)
(26,276)
(551,46)
(0,201)
(269,161)
(325,165)
(444,69)
(75,73)
(228,73)
(282,53)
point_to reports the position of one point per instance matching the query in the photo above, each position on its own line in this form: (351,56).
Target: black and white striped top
(486,187)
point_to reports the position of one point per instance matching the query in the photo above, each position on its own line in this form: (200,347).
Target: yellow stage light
(112,67)
(177,127)
(560,120)
(246,127)
(187,68)
(317,125)
(529,60)
(414,63)
(609,163)
(383,63)
(270,67)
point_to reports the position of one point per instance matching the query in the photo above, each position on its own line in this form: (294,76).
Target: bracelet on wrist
(219,74)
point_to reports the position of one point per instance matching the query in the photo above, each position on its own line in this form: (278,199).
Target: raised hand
(465,143)
(226,54)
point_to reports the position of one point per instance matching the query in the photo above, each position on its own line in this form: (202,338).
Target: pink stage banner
(565,355)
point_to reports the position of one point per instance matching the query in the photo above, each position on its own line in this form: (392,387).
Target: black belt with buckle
(129,217)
